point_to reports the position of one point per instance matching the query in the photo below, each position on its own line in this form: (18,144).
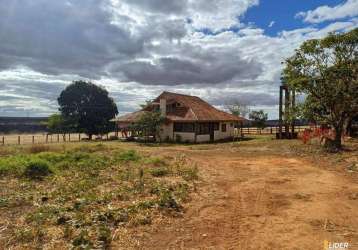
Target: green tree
(55,124)
(149,124)
(325,70)
(88,108)
(258,118)
(238,108)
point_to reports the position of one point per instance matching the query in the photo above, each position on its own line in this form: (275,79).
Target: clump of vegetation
(37,169)
(189,173)
(127,156)
(159,171)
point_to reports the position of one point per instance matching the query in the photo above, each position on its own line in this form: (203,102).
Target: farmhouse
(187,119)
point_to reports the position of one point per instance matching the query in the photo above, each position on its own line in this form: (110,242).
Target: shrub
(158,172)
(104,235)
(12,165)
(181,191)
(130,155)
(167,201)
(51,157)
(82,241)
(37,169)
(189,173)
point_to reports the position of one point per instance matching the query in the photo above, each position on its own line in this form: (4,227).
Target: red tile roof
(192,109)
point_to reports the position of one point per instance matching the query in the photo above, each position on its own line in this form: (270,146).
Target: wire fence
(24,139)
(270,130)
(44,138)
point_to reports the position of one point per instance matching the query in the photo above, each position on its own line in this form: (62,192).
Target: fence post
(18,140)
(58,138)
(107,136)
(51,138)
(3,140)
(79,136)
(33,139)
(46,138)
(69,137)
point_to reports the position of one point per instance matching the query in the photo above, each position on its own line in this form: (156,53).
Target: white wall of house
(202,138)
(220,135)
(185,136)
(167,133)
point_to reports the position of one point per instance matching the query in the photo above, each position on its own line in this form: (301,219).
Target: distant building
(188,119)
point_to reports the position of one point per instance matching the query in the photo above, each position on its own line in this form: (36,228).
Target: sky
(220,50)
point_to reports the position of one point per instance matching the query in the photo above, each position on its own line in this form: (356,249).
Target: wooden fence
(23,139)
(269,130)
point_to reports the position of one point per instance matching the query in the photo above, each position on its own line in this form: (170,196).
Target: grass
(78,196)
(94,192)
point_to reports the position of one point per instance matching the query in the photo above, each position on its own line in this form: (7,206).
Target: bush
(130,155)
(189,173)
(167,201)
(158,172)
(12,165)
(37,169)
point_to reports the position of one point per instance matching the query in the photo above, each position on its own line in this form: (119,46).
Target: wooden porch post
(293,104)
(280,113)
(287,112)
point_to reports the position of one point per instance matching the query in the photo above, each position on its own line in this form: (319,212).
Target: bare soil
(254,194)
(260,196)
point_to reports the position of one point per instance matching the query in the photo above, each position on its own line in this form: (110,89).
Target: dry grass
(99,194)
(89,192)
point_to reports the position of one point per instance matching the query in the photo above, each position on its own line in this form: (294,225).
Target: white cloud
(272,23)
(326,13)
(218,14)
(138,48)
(214,15)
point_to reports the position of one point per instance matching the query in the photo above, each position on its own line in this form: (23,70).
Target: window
(171,107)
(216,126)
(223,127)
(202,129)
(231,125)
(184,127)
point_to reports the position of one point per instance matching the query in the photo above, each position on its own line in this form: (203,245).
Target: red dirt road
(260,202)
